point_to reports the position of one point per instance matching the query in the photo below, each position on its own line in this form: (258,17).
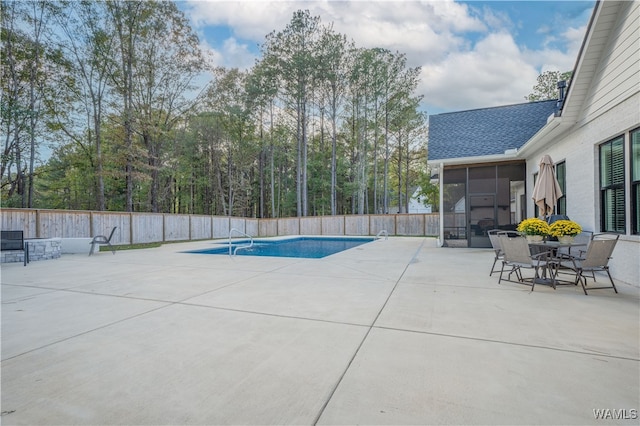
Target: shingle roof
(486,131)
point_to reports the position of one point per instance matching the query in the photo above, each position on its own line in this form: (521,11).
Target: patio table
(551,247)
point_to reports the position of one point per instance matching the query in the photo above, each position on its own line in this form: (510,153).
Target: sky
(472,54)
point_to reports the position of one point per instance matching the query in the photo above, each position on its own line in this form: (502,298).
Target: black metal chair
(556,217)
(103,240)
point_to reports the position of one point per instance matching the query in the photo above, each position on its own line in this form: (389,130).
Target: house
(592,133)
(476,154)
(417,205)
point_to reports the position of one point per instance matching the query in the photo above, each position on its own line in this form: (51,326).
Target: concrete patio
(391,332)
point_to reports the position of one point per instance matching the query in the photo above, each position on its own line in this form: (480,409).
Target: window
(612,185)
(561,175)
(635,181)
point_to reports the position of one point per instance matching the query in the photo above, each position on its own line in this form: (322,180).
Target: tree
(547,86)
(296,62)
(168,59)
(33,73)
(409,131)
(262,88)
(227,100)
(306,131)
(88,46)
(127,20)
(334,68)
(429,192)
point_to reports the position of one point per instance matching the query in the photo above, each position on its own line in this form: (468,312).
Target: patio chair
(518,256)
(582,238)
(596,259)
(495,243)
(578,252)
(99,240)
(556,217)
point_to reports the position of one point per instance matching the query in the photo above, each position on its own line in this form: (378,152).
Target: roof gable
(486,131)
(605,74)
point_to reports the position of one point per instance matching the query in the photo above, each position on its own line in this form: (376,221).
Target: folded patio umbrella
(546,191)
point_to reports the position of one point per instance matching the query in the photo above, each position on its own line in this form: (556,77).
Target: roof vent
(511,151)
(562,85)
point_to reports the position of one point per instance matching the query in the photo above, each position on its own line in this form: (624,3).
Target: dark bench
(14,240)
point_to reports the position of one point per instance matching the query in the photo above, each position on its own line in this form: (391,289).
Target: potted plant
(535,229)
(564,230)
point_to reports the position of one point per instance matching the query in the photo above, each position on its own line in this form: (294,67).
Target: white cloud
(237,54)
(419,29)
(493,73)
(468,54)
(251,20)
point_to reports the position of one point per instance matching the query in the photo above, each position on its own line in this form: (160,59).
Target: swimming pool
(303,247)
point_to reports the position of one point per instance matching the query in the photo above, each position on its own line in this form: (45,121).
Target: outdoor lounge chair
(517,255)
(596,259)
(102,240)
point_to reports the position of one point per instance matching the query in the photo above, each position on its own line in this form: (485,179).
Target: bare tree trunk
(375,162)
(34,111)
(385,189)
(127,20)
(399,173)
(261,166)
(305,193)
(274,212)
(334,172)
(406,179)
(299,162)
(99,159)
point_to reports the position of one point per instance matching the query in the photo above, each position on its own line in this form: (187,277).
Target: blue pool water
(306,247)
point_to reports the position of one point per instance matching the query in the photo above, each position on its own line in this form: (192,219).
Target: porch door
(482,218)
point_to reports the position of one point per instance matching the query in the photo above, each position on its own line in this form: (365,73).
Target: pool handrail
(239,247)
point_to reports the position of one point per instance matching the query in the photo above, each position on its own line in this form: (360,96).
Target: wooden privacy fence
(135,228)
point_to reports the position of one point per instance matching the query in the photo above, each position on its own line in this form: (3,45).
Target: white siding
(611,108)
(616,76)
(579,149)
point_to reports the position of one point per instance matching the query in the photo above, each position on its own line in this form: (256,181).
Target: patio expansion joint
(95,293)
(88,331)
(504,342)
(364,338)
(243,311)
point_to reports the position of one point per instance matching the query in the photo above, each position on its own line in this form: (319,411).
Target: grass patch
(131,246)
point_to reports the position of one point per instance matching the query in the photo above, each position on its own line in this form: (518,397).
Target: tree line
(132,116)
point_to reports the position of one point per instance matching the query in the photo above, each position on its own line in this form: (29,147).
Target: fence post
(131,228)
(38,233)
